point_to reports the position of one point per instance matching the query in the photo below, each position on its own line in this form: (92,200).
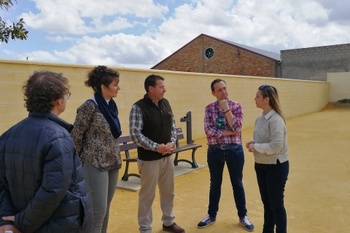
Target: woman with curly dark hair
(95,134)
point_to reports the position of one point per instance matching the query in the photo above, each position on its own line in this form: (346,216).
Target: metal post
(188,120)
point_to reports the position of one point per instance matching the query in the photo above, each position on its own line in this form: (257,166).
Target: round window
(209,53)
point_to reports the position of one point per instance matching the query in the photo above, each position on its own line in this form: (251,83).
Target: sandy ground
(317,196)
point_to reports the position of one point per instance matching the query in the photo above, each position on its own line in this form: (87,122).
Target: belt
(223,146)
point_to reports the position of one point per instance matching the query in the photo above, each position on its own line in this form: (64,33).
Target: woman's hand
(250,146)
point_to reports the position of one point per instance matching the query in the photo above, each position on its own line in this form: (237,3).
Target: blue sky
(141,33)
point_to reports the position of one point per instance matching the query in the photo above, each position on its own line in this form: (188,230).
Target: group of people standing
(58,177)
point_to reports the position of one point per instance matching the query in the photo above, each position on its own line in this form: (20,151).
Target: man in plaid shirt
(222,125)
(152,129)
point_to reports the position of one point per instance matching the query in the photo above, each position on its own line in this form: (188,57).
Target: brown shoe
(173,228)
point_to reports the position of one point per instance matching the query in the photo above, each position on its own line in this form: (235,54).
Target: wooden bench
(179,149)
(126,144)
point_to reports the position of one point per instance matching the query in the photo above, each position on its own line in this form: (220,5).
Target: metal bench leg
(176,160)
(126,171)
(194,163)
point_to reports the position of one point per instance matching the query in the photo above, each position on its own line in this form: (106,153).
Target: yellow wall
(339,86)
(185,91)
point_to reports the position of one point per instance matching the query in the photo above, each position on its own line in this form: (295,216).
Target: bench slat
(179,130)
(180,136)
(186,147)
(125,139)
(125,147)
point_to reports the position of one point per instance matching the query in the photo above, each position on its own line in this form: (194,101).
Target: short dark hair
(151,81)
(42,88)
(101,75)
(215,82)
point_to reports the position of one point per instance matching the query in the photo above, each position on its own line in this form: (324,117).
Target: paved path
(317,194)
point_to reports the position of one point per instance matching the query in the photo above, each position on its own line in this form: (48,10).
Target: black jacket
(157,125)
(41,179)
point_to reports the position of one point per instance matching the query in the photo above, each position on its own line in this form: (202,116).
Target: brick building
(206,54)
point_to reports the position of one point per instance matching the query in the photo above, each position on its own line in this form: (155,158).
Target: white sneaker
(206,221)
(245,222)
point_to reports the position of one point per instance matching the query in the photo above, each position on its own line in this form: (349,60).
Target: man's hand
(9,227)
(165,149)
(224,105)
(170,147)
(9,218)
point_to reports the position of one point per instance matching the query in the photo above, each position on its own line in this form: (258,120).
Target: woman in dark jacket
(42,188)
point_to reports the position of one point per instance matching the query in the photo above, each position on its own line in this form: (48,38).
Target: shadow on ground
(317,193)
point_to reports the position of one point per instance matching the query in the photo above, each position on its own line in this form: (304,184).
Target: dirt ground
(317,196)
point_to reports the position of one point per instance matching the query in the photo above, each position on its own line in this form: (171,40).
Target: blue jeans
(234,158)
(272,180)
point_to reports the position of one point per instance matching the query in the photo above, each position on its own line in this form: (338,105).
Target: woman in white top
(270,148)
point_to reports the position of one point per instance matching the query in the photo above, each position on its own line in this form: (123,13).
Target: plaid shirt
(136,126)
(215,122)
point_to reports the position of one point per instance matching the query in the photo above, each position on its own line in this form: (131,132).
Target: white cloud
(265,24)
(117,24)
(140,33)
(39,56)
(73,16)
(339,10)
(61,39)
(138,8)
(55,17)
(116,50)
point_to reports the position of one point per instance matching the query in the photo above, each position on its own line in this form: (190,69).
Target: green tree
(14,31)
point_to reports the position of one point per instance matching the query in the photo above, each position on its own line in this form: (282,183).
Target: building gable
(207,54)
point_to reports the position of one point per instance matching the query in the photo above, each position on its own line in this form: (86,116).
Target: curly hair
(101,75)
(42,88)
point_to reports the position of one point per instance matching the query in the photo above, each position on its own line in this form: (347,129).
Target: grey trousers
(101,186)
(155,172)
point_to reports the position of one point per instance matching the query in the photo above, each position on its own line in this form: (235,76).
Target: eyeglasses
(219,122)
(68,95)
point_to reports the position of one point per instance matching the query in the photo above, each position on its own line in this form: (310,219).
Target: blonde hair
(271,92)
